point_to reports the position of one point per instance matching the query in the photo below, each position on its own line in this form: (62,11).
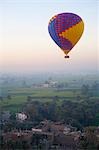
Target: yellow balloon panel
(74,33)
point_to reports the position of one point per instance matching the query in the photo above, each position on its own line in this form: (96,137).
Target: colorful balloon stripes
(66,30)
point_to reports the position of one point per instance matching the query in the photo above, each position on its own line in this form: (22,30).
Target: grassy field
(13,104)
(19,96)
(39,92)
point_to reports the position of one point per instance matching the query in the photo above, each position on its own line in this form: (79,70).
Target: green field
(42,92)
(19,96)
(19,92)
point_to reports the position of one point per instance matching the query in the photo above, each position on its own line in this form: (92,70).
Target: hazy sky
(25,44)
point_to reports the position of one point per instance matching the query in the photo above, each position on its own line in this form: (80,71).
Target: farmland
(65,88)
(19,96)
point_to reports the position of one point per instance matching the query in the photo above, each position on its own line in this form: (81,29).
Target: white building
(21,116)
(36,130)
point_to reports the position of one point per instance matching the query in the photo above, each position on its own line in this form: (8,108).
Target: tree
(29,98)
(1,98)
(9,97)
(85,90)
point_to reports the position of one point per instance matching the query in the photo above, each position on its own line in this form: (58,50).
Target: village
(50,115)
(46,135)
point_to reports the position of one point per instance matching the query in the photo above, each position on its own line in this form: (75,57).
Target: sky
(26,46)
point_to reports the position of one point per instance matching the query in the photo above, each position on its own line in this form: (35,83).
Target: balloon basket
(66,56)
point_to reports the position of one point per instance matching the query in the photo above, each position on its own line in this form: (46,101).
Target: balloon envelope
(66,30)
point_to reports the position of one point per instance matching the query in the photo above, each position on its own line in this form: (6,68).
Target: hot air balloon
(66,29)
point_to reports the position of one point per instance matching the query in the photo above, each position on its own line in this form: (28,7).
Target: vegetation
(72,101)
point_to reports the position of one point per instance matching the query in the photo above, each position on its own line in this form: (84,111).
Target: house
(65,142)
(45,85)
(17,136)
(21,116)
(36,130)
(56,127)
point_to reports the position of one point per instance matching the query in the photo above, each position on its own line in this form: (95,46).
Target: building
(21,116)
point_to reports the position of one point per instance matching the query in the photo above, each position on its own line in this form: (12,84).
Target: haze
(25,44)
